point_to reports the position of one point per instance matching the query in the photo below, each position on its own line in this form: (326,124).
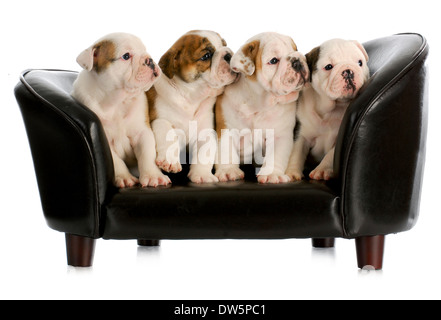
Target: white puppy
(338,71)
(196,70)
(117,72)
(273,73)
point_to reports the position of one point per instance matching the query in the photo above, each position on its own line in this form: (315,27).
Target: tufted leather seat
(379,161)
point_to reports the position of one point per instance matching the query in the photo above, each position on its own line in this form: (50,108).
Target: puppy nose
(227,57)
(348,74)
(297,65)
(149,63)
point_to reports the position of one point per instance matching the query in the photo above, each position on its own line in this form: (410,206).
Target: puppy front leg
(123,177)
(203,149)
(325,170)
(168,146)
(278,151)
(228,158)
(145,152)
(297,159)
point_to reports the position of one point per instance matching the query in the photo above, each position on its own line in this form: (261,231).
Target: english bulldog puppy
(262,101)
(117,73)
(338,71)
(196,70)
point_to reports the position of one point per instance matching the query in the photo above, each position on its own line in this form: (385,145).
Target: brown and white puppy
(260,108)
(338,71)
(196,70)
(117,72)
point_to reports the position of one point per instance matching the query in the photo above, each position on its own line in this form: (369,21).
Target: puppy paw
(154,180)
(295,174)
(230,174)
(273,178)
(198,177)
(322,173)
(125,181)
(170,167)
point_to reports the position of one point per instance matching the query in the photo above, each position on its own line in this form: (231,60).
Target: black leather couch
(379,160)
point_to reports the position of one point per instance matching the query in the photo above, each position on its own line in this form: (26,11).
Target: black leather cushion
(226,210)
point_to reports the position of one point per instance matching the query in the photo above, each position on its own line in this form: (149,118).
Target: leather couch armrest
(72,159)
(380,151)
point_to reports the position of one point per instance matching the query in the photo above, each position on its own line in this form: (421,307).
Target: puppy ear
(362,49)
(312,59)
(85,59)
(98,56)
(294,46)
(245,59)
(169,63)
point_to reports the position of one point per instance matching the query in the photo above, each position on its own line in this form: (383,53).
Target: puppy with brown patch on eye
(196,70)
(263,101)
(117,73)
(338,70)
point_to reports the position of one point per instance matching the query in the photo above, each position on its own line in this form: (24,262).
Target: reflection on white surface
(148,254)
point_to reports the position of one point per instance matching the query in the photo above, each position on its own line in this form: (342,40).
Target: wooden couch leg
(149,243)
(80,250)
(370,251)
(323,242)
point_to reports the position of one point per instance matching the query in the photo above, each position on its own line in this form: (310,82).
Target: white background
(50,34)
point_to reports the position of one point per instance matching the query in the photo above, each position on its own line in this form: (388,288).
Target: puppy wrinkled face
(194,57)
(339,68)
(199,56)
(123,60)
(283,69)
(273,60)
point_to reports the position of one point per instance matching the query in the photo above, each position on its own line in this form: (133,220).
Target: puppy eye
(360,63)
(329,67)
(274,61)
(206,56)
(126,56)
